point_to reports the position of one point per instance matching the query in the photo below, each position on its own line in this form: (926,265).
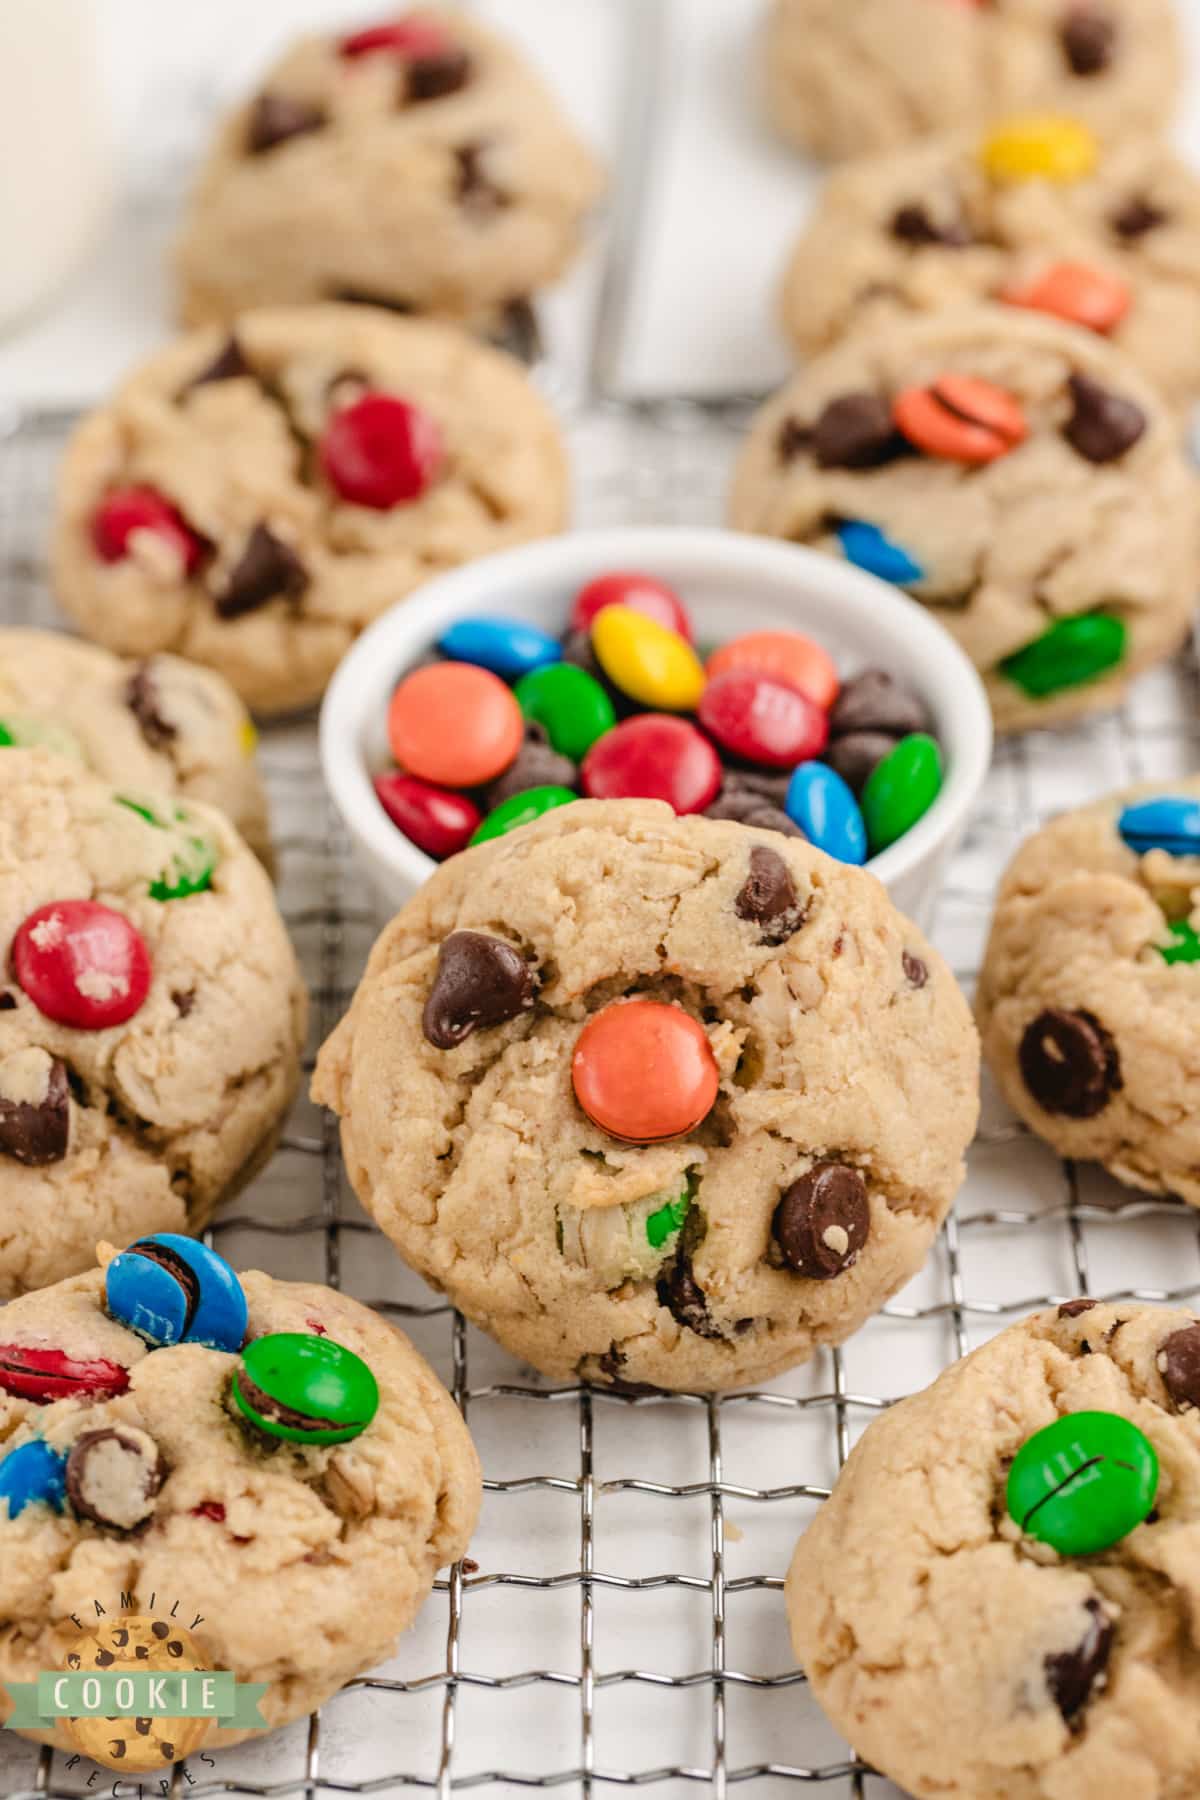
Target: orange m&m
(961,418)
(789,655)
(1076,292)
(644,1071)
(454,724)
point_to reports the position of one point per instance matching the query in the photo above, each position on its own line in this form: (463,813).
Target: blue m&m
(33,1474)
(1169,823)
(173,1290)
(871,549)
(510,648)
(822,805)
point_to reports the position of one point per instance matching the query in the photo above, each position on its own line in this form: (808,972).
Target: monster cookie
(1014,474)
(998,1601)
(1114,246)
(419,165)
(847,76)
(163,725)
(151,1015)
(293,1493)
(1089,998)
(651,1097)
(253,502)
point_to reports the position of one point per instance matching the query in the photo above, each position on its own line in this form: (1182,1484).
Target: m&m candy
(654,757)
(508,647)
(82,964)
(1083,1483)
(1073,650)
(307,1390)
(646,661)
(824,808)
(639,592)
(788,655)
(1169,822)
(644,1071)
(454,724)
(171,1289)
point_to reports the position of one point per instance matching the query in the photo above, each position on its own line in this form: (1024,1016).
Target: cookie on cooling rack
(655,1099)
(420,164)
(997,1599)
(1015,475)
(151,1015)
(163,724)
(848,76)
(1112,244)
(254,501)
(1089,998)
(273,1456)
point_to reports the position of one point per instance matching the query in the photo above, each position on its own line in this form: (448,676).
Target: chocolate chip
(519,331)
(183,999)
(768,898)
(480,981)
(1137,217)
(913,225)
(1072,1674)
(769,785)
(822,1221)
(1179,1366)
(1102,426)
(684,1299)
(855,431)
(1069,1063)
(433,77)
(476,191)
(916,970)
(144,702)
(229,364)
(856,754)
(36,1132)
(876,701)
(537,765)
(274,118)
(8,1002)
(744,808)
(352,296)
(1088,35)
(268,569)
(792,440)
(577,649)
(113,1476)
(1074,1309)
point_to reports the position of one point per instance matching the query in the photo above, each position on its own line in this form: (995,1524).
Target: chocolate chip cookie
(1015,475)
(848,76)
(295,1564)
(420,165)
(254,501)
(1114,247)
(151,1015)
(162,725)
(653,1098)
(957,1652)
(1089,998)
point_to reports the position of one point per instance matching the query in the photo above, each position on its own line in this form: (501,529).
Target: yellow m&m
(1045,147)
(648,662)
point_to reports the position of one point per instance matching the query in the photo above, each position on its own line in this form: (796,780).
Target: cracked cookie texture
(1091,1033)
(345,177)
(145,1125)
(304,1562)
(286,572)
(162,725)
(927,227)
(848,76)
(809,1192)
(967,1661)
(1090,512)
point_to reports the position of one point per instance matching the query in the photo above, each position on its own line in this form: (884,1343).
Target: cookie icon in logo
(138,1643)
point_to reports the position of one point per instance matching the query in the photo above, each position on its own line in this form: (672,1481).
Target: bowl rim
(411,626)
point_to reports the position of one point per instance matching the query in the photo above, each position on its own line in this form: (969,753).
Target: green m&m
(521,809)
(569,704)
(308,1390)
(1083,1483)
(1073,651)
(190,868)
(38,734)
(901,789)
(1184,946)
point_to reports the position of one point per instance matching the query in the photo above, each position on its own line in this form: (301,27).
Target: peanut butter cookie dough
(130,1468)
(1089,997)
(151,1015)
(849,76)
(163,725)
(420,165)
(1015,475)
(253,501)
(964,1657)
(1113,247)
(653,1098)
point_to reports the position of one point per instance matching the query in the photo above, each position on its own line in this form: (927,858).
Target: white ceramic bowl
(730,583)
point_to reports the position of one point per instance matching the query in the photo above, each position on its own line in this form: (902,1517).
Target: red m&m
(437,820)
(641,593)
(788,655)
(381,451)
(412,38)
(82,964)
(644,1072)
(654,757)
(763,720)
(129,510)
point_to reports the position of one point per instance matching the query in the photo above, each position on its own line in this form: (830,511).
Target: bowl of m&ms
(723,674)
